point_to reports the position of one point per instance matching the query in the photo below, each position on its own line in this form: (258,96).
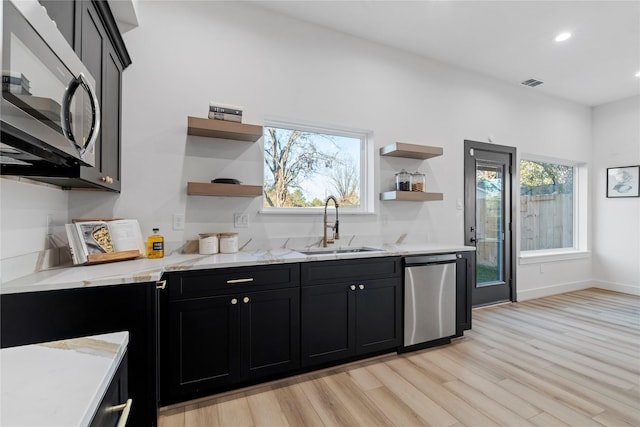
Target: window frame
(580,248)
(367,203)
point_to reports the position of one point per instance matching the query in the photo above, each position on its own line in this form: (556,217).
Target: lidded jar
(418,181)
(403,181)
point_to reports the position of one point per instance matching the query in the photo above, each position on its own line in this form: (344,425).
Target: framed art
(623,181)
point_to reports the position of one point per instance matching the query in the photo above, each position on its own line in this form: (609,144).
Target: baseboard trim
(524,295)
(617,287)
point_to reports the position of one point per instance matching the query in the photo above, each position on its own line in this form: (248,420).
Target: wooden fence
(546,222)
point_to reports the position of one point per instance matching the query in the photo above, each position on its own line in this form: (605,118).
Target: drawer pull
(353,287)
(361,286)
(232,281)
(234,301)
(245,300)
(161,284)
(125,408)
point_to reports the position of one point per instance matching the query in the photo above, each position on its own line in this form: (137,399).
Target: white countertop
(148,270)
(60,383)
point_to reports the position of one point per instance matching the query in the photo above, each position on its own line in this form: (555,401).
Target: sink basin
(330,251)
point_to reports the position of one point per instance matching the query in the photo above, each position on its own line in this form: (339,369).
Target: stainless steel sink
(330,251)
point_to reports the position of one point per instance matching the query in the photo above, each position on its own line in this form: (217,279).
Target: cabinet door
(465,282)
(378,315)
(270,324)
(111,116)
(328,323)
(203,346)
(98,56)
(63,13)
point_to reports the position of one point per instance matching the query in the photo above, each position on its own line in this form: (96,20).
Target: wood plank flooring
(565,360)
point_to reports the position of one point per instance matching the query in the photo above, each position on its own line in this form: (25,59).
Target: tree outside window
(302,168)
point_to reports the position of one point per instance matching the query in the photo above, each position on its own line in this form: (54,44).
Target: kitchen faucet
(334,227)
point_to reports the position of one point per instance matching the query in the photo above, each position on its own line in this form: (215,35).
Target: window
(548,206)
(303,165)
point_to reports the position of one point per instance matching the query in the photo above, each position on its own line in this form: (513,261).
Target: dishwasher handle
(429,259)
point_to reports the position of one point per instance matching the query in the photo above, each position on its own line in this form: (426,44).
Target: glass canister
(417,181)
(403,181)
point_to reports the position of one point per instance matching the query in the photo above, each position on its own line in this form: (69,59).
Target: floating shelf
(411,151)
(410,196)
(223,129)
(229,190)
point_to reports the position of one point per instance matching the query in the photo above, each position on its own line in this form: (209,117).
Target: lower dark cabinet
(115,397)
(210,343)
(350,318)
(465,282)
(35,317)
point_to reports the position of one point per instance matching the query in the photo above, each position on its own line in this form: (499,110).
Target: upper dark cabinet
(90,28)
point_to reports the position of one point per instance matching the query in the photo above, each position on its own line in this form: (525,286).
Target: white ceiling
(511,41)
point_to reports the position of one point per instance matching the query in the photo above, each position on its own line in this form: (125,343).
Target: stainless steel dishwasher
(429,298)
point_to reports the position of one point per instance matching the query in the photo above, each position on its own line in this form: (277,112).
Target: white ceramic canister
(228,243)
(208,243)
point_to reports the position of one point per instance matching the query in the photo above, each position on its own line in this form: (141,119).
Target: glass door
(488,213)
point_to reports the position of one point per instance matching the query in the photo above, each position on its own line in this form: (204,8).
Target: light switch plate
(178,221)
(241,220)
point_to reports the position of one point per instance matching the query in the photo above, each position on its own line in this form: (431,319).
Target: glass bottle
(417,181)
(155,245)
(403,181)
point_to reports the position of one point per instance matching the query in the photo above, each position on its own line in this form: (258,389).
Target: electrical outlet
(178,221)
(240,220)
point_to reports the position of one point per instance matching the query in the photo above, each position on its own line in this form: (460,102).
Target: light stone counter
(149,270)
(59,383)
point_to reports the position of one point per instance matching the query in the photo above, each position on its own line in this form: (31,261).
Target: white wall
(616,231)
(186,55)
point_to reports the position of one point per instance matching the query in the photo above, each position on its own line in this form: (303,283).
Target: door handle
(161,284)
(472,240)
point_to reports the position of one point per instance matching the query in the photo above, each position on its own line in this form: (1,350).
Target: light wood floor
(570,359)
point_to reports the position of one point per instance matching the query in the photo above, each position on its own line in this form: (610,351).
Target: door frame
(470,201)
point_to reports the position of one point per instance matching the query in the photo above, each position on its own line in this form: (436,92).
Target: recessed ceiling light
(562,37)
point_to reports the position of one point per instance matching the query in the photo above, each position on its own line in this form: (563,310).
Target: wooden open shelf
(410,196)
(228,190)
(411,151)
(223,129)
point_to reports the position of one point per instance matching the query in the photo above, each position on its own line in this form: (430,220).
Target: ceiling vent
(532,82)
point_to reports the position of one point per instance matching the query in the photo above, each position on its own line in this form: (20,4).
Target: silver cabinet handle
(360,286)
(245,300)
(353,287)
(232,281)
(125,408)
(161,284)
(234,301)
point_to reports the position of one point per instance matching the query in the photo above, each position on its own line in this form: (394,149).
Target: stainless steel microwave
(49,112)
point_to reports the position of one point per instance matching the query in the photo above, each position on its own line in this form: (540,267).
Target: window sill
(312,211)
(535,257)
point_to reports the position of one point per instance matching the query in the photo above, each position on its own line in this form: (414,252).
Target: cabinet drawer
(314,273)
(232,280)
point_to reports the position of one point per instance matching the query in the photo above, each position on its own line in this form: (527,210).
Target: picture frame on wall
(623,181)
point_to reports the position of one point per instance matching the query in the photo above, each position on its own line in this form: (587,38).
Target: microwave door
(41,75)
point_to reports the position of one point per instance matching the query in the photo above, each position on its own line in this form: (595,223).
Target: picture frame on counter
(623,181)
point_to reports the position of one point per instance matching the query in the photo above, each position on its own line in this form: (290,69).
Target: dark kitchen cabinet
(63,13)
(465,282)
(227,327)
(34,317)
(350,308)
(116,395)
(91,29)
